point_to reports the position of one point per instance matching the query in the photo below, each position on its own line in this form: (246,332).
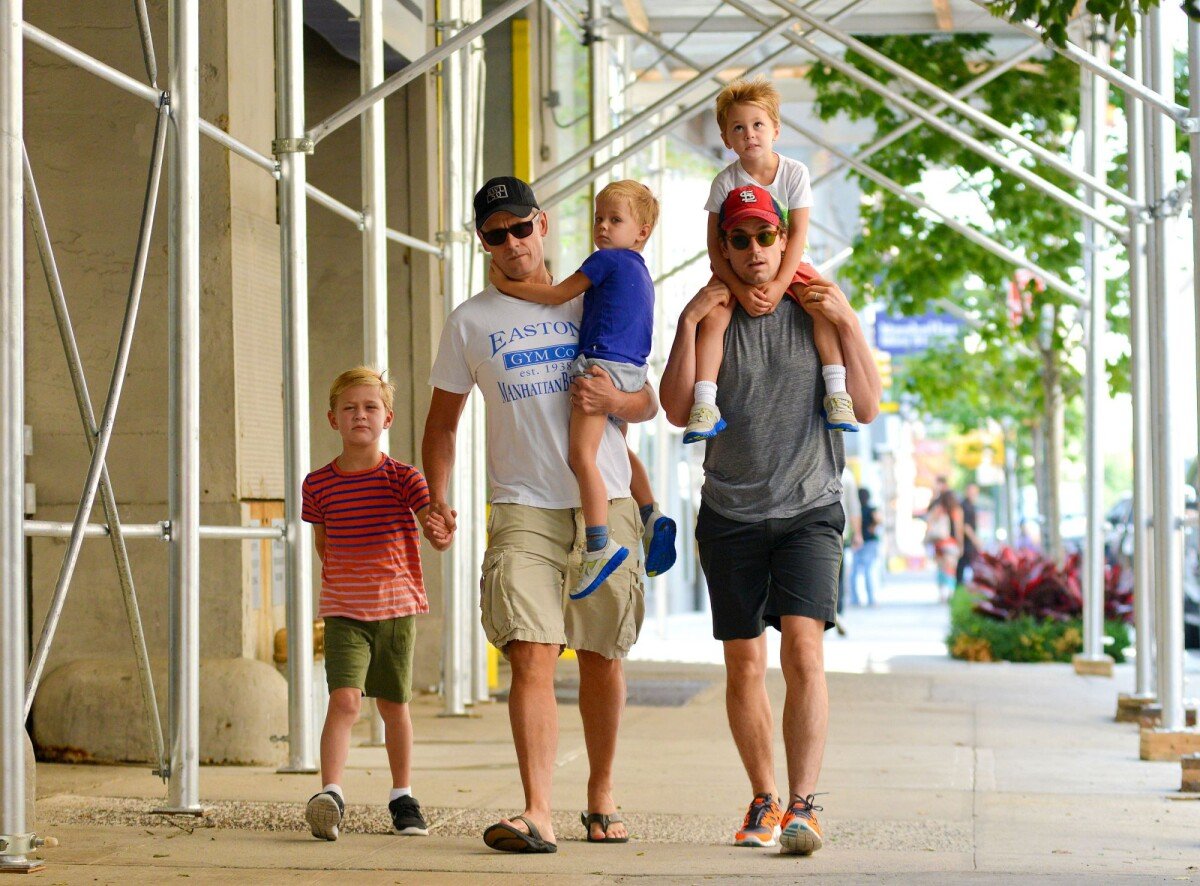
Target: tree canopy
(1054,15)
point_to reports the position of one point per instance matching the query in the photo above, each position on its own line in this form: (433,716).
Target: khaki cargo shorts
(533,561)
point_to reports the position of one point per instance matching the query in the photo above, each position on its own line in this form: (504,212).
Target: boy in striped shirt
(365,507)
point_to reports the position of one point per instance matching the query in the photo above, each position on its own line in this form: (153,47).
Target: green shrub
(978,637)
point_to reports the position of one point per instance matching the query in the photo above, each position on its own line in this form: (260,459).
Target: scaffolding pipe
(959,107)
(157,531)
(457,577)
(1093,116)
(415,69)
(1169,479)
(1194,178)
(912,108)
(12,446)
(93,432)
(293,243)
(668,101)
(980,239)
(183,699)
(143,20)
(1151,97)
(1139,362)
(104,430)
(374,195)
(123,81)
(967,89)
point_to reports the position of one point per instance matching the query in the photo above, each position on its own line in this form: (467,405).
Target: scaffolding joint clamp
(20,844)
(453,24)
(301,145)
(1172,204)
(592,32)
(444,237)
(1189,124)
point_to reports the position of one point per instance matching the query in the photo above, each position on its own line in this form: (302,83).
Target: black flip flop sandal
(505,838)
(590,818)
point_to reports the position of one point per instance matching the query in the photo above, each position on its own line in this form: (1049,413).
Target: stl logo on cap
(497,192)
(748,196)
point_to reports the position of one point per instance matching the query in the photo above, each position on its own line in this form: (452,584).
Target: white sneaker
(839,413)
(598,566)
(704,421)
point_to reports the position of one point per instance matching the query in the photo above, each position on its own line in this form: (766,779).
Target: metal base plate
(194,811)
(21,867)
(297,770)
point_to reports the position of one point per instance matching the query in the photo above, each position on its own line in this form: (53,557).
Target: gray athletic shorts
(625,376)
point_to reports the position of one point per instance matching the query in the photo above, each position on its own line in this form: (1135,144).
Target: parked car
(1118,549)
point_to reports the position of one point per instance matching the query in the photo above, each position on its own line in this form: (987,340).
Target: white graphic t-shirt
(791,187)
(518,353)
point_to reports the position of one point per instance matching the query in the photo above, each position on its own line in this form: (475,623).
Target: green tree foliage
(907,260)
(1054,15)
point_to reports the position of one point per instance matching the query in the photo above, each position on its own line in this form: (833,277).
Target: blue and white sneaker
(598,566)
(704,421)
(839,413)
(658,543)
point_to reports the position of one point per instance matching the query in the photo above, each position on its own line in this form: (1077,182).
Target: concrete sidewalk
(936,772)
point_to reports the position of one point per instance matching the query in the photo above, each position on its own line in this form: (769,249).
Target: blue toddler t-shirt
(618,310)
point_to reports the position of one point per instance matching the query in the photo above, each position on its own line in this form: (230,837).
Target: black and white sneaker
(406,817)
(324,815)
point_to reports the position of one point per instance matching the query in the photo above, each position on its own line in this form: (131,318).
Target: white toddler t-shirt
(519,354)
(792,187)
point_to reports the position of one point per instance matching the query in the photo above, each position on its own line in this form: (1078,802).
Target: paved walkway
(936,772)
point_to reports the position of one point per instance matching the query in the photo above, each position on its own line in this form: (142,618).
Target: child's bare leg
(344,706)
(710,343)
(586,432)
(398,739)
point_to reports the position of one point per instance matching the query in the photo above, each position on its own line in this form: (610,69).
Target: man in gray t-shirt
(771,520)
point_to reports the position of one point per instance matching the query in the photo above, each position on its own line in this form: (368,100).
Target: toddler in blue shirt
(618,322)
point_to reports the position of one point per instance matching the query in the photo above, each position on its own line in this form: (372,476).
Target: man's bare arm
(862,376)
(679,377)
(437,449)
(597,395)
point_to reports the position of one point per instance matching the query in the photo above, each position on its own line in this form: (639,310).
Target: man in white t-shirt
(518,353)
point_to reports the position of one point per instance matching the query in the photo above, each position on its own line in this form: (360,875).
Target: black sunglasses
(740,241)
(520,231)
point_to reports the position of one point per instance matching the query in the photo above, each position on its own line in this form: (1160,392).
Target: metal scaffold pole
(292,148)
(15,843)
(1139,335)
(1169,479)
(1093,116)
(374,227)
(183,233)
(1194,183)
(459,574)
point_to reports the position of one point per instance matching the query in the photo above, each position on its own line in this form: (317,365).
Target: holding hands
(440,524)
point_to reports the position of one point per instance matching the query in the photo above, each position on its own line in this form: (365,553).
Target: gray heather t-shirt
(775,459)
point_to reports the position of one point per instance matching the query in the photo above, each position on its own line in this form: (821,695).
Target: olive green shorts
(532,563)
(374,657)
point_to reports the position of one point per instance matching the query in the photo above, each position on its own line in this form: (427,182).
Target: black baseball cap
(504,194)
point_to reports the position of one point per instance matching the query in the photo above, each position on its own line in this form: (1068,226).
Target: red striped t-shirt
(372,565)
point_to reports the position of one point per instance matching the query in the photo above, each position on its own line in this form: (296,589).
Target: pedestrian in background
(863,565)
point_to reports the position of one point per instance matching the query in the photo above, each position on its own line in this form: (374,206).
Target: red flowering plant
(1011,584)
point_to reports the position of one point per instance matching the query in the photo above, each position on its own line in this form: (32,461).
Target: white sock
(334,789)
(400,792)
(705,392)
(835,379)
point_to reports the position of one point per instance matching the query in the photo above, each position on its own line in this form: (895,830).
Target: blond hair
(641,201)
(362,375)
(759,92)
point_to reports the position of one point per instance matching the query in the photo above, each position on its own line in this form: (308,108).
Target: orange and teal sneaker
(761,827)
(801,832)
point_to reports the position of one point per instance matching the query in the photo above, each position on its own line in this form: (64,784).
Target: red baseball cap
(751,201)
